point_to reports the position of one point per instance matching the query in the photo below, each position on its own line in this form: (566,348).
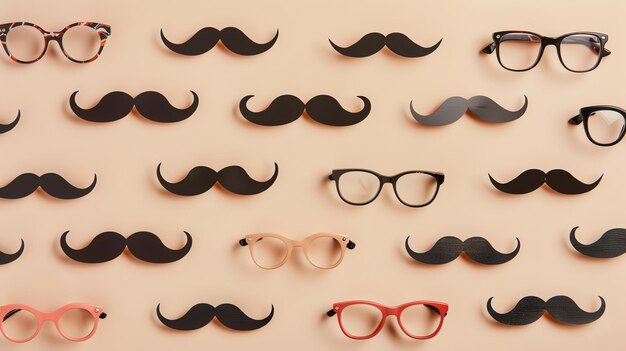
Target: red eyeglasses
(364,319)
(75,322)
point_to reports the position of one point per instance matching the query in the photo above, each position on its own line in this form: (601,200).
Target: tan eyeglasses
(323,250)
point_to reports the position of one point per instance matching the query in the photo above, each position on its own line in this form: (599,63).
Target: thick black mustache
(483,107)
(233,178)
(52,183)
(324,109)
(398,43)
(561,308)
(559,180)
(7,127)
(206,38)
(8,258)
(150,104)
(611,244)
(106,246)
(201,314)
(449,248)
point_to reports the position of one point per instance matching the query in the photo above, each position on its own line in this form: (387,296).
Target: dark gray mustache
(7,127)
(611,244)
(562,308)
(481,106)
(449,248)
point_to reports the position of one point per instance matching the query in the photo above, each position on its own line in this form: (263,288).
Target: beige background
(128,197)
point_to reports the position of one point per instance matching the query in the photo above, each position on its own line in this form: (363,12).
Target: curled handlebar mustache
(481,106)
(201,314)
(611,244)
(106,246)
(559,180)
(7,127)
(8,258)
(398,43)
(562,308)
(233,178)
(324,109)
(206,38)
(150,104)
(52,183)
(449,248)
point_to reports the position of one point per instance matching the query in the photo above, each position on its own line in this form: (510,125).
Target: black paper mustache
(7,127)
(398,43)
(106,246)
(233,178)
(324,109)
(559,180)
(611,244)
(150,104)
(52,183)
(562,308)
(449,248)
(8,258)
(481,106)
(206,38)
(201,314)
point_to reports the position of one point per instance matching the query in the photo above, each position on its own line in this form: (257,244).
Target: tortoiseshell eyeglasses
(81,42)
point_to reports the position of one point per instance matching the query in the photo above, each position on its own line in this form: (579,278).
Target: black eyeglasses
(413,188)
(604,125)
(520,50)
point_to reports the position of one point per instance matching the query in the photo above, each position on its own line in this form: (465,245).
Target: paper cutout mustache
(52,183)
(201,314)
(150,104)
(449,248)
(206,38)
(559,180)
(233,178)
(8,258)
(324,109)
(481,106)
(7,127)
(398,43)
(106,246)
(611,244)
(562,308)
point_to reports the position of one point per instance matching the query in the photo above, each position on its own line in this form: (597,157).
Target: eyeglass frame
(103,30)
(382,179)
(546,41)
(441,308)
(251,239)
(585,113)
(7,311)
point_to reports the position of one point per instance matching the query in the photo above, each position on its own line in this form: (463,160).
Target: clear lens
(25,43)
(20,326)
(519,51)
(324,251)
(81,43)
(605,126)
(358,187)
(360,319)
(76,323)
(416,188)
(420,320)
(580,52)
(269,252)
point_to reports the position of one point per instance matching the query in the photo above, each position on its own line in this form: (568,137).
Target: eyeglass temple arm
(350,245)
(489,48)
(332,312)
(12,312)
(576,120)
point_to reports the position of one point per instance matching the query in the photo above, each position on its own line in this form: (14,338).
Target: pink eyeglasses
(75,322)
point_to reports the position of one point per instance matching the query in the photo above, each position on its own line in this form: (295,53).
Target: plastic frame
(104,30)
(585,113)
(546,41)
(251,239)
(9,310)
(440,308)
(337,173)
